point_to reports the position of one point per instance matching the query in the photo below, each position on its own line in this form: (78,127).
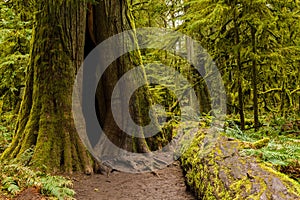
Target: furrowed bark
(45,119)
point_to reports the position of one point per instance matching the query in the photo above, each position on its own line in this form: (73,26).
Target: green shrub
(16,176)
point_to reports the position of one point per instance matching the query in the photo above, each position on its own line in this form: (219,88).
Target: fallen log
(220,172)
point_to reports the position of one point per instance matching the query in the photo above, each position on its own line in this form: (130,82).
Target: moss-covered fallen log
(222,173)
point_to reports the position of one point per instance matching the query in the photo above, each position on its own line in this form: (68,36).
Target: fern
(10,185)
(280,151)
(16,175)
(57,186)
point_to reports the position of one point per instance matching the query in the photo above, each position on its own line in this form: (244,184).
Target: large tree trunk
(45,119)
(217,171)
(111,17)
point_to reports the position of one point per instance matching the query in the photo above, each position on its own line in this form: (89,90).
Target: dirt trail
(168,184)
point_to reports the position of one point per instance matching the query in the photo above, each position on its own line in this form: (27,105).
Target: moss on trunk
(45,118)
(115,17)
(58,47)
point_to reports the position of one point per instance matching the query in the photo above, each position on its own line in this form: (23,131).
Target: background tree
(246,37)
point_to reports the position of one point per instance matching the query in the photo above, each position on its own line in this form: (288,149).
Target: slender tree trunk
(254,81)
(45,119)
(200,87)
(282,97)
(240,79)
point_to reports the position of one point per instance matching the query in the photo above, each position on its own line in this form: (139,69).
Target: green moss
(262,186)
(134,146)
(240,187)
(291,185)
(261,143)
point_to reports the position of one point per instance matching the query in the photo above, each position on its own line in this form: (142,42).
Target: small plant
(16,176)
(5,134)
(56,186)
(10,185)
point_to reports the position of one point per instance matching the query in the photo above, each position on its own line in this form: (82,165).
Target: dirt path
(168,184)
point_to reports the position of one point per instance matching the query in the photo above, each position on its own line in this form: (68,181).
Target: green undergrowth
(276,146)
(7,126)
(16,175)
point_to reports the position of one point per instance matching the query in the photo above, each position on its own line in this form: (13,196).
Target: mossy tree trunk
(240,72)
(60,41)
(254,80)
(45,119)
(114,15)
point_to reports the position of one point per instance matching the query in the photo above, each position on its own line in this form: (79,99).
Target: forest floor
(167,184)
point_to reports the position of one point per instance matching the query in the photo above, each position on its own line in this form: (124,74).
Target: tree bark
(112,17)
(254,80)
(60,41)
(45,119)
(240,79)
